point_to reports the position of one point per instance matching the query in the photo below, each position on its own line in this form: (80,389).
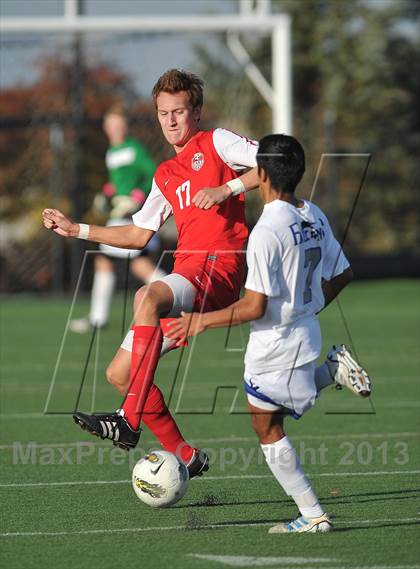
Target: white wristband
(236,186)
(83,231)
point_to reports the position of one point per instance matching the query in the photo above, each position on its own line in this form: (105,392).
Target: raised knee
(139,296)
(113,377)
(109,373)
(146,297)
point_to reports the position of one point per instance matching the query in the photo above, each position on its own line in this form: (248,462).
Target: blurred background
(355,89)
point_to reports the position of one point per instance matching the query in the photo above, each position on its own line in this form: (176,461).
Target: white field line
(198,527)
(7,416)
(347,566)
(398,404)
(316,474)
(231,440)
(32,388)
(206,478)
(258,561)
(343,406)
(285,562)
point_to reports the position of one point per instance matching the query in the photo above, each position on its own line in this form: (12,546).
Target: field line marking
(316,474)
(284,562)
(260,561)
(407,434)
(186,527)
(227,477)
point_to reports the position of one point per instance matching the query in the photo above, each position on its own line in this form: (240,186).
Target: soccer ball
(160,479)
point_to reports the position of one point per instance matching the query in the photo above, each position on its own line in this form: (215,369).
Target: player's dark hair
(283,159)
(176,80)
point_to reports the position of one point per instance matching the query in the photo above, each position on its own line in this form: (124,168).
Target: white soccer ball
(160,479)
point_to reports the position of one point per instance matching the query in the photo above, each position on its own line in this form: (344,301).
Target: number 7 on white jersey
(312,259)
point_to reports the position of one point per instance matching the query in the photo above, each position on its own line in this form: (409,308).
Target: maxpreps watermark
(346,453)
(70,454)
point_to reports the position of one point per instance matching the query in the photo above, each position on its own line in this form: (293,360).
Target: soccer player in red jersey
(193,186)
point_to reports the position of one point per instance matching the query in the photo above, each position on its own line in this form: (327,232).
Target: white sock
(102,290)
(322,377)
(284,463)
(308,504)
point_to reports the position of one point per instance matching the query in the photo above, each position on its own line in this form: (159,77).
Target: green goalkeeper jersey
(130,166)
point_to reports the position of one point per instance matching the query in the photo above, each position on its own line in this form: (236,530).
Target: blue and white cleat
(347,372)
(304,525)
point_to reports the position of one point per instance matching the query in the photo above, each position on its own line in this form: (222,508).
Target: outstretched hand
(188,324)
(208,197)
(59,223)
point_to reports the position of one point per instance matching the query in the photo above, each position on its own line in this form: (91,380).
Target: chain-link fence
(56,89)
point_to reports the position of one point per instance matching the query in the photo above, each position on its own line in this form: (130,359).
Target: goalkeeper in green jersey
(130,173)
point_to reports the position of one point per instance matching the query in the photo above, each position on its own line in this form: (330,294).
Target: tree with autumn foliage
(38,130)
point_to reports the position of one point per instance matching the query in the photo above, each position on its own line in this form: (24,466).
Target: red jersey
(210,159)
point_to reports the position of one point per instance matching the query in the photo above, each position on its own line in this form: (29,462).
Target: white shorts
(291,389)
(119,253)
(184,297)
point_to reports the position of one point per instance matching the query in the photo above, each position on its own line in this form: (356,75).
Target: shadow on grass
(376,526)
(372,497)
(199,524)
(213,500)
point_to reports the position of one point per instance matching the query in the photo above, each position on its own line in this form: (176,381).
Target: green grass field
(67,500)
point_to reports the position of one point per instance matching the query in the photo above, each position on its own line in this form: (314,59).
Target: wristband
(236,186)
(83,231)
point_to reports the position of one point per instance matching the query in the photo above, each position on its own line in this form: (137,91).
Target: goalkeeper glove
(124,206)
(102,201)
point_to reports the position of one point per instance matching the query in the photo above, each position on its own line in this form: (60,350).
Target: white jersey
(237,152)
(290,251)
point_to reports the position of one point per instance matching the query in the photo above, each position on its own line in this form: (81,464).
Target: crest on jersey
(197,161)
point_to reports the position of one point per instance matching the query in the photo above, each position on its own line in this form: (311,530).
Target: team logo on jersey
(197,161)
(307,231)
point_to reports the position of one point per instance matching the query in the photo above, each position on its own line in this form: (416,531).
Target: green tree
(355,89)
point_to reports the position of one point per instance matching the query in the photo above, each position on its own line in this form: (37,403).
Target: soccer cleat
(304,525)
(82,325)
(347,372)
(198,464)
(109,426)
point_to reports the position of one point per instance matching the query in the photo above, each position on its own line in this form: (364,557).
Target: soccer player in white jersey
(296,267)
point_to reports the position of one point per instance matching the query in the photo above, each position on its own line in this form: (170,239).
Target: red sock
(157,418)
(147,343)
(144,399)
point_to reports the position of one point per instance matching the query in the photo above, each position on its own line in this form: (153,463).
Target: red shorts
(217,277)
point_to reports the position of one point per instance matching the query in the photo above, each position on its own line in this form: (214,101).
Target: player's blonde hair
(116,109)
(176,80)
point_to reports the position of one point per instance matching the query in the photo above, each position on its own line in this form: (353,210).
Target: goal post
(252,18)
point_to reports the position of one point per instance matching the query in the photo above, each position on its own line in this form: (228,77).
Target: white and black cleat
(111,426)
(198,464)
(347,372)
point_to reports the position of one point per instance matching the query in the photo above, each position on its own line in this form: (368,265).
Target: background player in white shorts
(296,267)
